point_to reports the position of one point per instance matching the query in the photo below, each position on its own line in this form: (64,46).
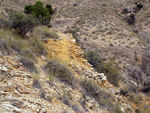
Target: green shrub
(131,19)
(140,6)
(60,71)
(49,7)
(11,42)
(29,64)
(28,9)
(93,58)
(108,68)
(100,95)
(111,72)
(49,26)
(125,11)
(46,32)
(132,94)
(37,46)
(21,22)
(50,34)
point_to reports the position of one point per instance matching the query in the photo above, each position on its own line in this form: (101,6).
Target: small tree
(22,23)
(42,13)
(38,9)
(28,9)
(46,17)
(49,7)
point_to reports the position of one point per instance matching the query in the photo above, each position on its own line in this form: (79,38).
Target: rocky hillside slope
(22,91)
(63,80)
(25,92)
(101,26)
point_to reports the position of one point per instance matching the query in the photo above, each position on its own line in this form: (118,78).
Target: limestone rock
(102,76)
(44,58)
(122,109)
(12,73)
(43,111)
(4,68)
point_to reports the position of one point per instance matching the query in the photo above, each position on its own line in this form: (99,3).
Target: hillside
(22,91)
(101,26)
(90,61)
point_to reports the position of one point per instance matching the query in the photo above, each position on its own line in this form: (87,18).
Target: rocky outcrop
(17,94)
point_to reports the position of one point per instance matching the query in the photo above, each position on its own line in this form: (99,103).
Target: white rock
(4,69)
(12,73)
(44,58)
(89,104)
(122,109)
(43,111)
(73,40)
(102,76)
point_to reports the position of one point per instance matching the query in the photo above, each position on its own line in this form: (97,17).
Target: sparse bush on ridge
(11,42)
(108,68)
(131,19)
(29,64)
(93,58)
(111,72)
(22,23)
(60,71)
(37,46)
(45,32)
(100,95)
(131,94)
(134,98)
